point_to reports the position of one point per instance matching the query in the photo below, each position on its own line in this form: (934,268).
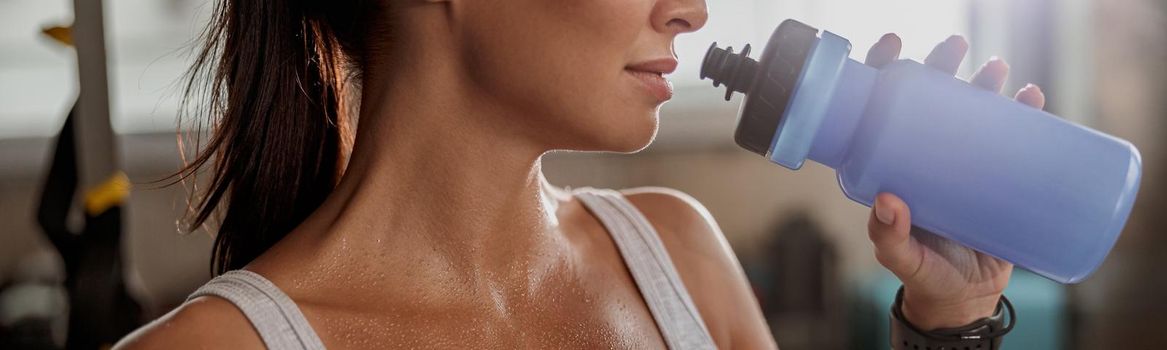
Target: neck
(432,171)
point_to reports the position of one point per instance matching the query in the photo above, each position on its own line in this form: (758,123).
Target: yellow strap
(60,34)
(110,193)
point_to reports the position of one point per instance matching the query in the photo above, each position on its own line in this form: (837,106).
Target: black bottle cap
(723,66)
(767,83)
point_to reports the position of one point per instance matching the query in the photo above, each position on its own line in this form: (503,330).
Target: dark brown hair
(278,79)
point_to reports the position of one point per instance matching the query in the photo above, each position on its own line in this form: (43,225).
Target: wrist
(985,333)
(935,314)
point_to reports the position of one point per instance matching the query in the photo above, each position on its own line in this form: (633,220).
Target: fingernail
(887,37)
(1031,86)
(884,214)
(992,63)
(956,39)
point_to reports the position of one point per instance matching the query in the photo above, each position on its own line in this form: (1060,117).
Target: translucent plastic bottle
(979,168)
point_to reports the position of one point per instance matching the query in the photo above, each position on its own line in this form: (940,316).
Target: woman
(442,231)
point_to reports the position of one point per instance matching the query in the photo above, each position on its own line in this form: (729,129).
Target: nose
(679,16)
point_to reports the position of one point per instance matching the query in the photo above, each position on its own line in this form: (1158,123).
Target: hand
(945,284)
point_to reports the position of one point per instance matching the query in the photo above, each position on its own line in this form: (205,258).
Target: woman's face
(583,74)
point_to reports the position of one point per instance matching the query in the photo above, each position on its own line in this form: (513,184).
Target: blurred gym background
(803,244)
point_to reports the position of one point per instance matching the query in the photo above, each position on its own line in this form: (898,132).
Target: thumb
(889,229)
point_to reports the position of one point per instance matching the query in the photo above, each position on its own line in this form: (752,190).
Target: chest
(587,306)
(578,295)
(574,318)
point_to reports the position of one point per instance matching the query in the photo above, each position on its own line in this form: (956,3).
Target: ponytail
(276,76)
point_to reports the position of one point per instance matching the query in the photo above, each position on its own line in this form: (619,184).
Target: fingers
(991,76)
(885,51)
(947,55)
(1031,95)
(889,229)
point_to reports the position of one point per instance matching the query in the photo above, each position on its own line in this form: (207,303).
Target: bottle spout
(736,71)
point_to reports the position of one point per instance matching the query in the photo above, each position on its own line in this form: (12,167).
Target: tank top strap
(274,315)
(668,300)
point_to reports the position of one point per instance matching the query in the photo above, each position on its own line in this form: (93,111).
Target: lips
(651,73)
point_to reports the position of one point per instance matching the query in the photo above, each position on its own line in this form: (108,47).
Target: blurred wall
(1123,305)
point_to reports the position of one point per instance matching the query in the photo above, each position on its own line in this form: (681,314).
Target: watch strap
(985,334)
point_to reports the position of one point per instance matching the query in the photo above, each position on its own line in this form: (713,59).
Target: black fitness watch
(983,334)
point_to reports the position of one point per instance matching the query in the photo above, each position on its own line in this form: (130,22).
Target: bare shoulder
(707,265)
(683,223)
(204,323)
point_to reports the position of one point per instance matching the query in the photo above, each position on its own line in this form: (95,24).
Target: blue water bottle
(998,176)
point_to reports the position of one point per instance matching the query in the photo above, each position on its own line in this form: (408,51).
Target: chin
(635,138)
(616,132)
